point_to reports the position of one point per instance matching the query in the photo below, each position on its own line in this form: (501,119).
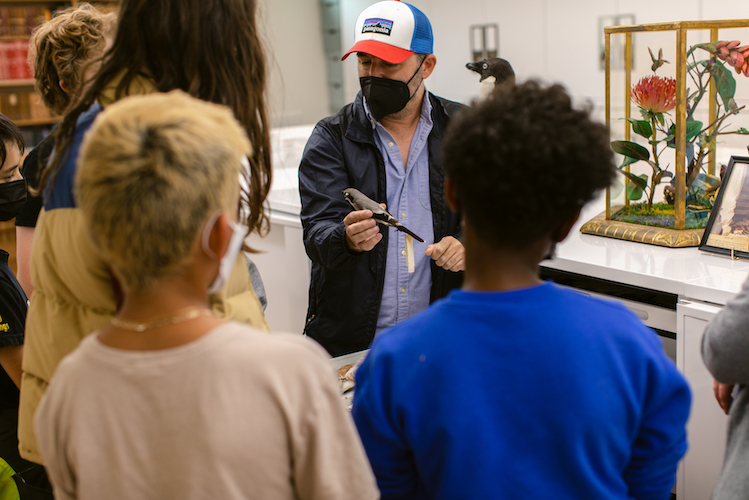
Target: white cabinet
(707,423)
(285,269)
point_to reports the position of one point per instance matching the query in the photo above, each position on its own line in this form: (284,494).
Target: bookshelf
(18,100)
(18,18)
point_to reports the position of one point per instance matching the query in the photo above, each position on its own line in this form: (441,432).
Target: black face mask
(12,198)
(386,96)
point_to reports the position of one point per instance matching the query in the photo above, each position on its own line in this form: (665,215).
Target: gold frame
(602,224)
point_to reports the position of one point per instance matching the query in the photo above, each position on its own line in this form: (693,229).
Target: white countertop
(686,272)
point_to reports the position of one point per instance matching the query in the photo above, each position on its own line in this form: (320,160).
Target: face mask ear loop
(207,234)
(417,70)
(410,96)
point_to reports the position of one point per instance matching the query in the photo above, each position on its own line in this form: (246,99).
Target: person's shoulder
(82,125)
(77,363)
(446,106)
(608,320)
(343,116)
(276,349)
(350,121)
(596,309)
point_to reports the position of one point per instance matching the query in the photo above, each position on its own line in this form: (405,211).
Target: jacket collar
(359,128)
(140,85)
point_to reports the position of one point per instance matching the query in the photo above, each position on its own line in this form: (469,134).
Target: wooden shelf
(24,84)
(37,122)
(37,2)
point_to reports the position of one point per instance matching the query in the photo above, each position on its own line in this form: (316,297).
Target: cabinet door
(707,423)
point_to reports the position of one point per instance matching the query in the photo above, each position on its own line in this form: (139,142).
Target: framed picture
(617,42)
(727,230)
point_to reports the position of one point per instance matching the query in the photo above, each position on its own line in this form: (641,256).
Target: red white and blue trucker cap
(392,31)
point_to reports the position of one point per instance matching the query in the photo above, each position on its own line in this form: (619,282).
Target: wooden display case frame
(679,236)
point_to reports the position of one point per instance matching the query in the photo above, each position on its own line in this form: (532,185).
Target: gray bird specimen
(361,202)
(493,72)
(659,61)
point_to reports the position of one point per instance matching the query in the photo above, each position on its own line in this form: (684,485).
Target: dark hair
(524,161)
(210,49)
(9,132)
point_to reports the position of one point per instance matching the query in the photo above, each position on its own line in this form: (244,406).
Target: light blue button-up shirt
(405,294)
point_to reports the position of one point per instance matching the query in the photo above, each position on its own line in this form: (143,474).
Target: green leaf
(635,190)
(724,82)
(693,128)
(742,131)
(640,181)
(616,188)
(630,149)
(661,120)
(628,161)
(641,128)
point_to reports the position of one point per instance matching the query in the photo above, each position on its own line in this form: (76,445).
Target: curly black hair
(9,134)
(524,161)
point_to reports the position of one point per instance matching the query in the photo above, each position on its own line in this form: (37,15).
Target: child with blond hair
(167,400)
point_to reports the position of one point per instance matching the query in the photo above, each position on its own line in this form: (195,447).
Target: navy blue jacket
(346,287)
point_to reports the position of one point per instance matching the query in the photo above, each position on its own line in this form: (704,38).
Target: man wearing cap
(387,144)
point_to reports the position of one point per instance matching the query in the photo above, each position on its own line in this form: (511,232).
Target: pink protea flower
(733,55)
(655,94)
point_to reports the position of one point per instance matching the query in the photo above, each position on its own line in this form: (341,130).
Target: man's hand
(723,393)
(448,253)
(362,233)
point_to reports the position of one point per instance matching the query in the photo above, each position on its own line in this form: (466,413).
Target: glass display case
(676,111)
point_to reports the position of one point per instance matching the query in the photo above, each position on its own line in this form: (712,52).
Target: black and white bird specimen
(360,201)
(493,72)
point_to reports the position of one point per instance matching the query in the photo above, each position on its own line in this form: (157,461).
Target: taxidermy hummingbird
(493,72)
(657,63)
(361,202)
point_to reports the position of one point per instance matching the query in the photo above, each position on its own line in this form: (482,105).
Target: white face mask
(227,261)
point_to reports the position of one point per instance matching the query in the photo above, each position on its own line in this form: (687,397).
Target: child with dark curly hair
(512,387)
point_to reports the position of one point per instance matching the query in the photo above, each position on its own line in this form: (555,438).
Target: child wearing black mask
(13,305)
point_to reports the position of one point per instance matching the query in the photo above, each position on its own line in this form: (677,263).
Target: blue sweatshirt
(534,393)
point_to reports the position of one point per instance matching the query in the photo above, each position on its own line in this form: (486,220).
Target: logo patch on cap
(376,25)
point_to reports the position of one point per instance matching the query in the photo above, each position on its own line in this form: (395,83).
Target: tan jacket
(73,297)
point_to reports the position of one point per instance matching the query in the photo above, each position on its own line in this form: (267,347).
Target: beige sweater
(73,297)
(236,414)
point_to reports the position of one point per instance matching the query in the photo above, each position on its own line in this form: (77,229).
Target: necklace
(186,314)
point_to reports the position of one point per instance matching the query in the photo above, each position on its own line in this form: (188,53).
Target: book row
(21,21)
(14,63)
(24,106)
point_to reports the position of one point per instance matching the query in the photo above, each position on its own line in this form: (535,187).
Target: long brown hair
(210,49)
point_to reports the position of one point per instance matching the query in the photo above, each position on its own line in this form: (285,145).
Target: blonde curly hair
(63,47)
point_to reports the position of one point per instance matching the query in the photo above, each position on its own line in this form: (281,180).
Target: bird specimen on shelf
(495,71)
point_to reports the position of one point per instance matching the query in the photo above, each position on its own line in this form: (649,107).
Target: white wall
(297,81)
(554,40)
